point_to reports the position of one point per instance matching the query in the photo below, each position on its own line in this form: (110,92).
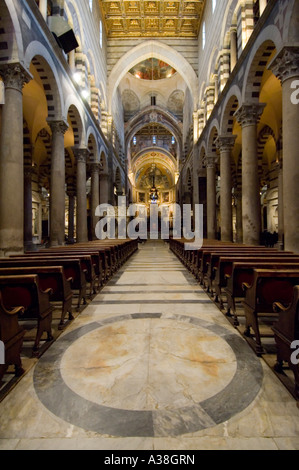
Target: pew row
(243,272)
(286,331)
(266,288)
(224,269)
(12,335)
(25,290)
(73,270)
(50,277)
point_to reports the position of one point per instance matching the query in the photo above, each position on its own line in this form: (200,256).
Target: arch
(92,147)
(231,104)
(74,19)
(38,55)
(103,161)
(266,43)
(76,125)
(11,34)
(142,118)
(148,49)
(214,131)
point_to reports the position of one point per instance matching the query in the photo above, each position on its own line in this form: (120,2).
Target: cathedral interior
(162,104)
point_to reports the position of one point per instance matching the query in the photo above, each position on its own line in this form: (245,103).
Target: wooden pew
(85,260)
(25,290)
(50,277)
(94,268)
(267,287)
(12,335)
(210,259)
(242,272)
(72,267)
(224,269)
(286,330)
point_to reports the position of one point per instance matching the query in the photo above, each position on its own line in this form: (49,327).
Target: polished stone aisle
(150,364)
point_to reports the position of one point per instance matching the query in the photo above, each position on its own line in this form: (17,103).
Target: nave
(151,363)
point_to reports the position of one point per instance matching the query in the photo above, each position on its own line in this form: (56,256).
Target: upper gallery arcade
(188,102)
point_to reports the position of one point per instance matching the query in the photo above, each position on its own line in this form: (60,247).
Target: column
(248,116)
(239,224)
(12,161)
(225,144)
(233,49)
(286,67)
(71,222)
(82,232)
(280,206)
(57,187)
(211,197)
(28,171)
(104,188)
(95,195)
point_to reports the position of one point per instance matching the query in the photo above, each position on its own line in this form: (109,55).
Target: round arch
(9,16)
(37,54)
(268,40)
(232,102)
(148,49)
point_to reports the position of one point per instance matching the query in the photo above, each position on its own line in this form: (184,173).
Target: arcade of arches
(184,102)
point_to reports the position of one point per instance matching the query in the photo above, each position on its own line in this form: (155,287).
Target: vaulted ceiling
(143,18)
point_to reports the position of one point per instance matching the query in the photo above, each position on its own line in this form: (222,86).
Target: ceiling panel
(143,18)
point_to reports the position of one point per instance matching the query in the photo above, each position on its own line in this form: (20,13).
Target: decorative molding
(225,142)
(58,127)
(249,114)
(14,76)
(286,64)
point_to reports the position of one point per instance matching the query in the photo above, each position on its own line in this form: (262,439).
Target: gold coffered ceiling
(143,18)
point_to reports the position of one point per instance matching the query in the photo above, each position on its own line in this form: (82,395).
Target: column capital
(81,154)
(95,167)
(225,142)
(210,161)
(285,64)
(15,76)
(249,113)
(58,126)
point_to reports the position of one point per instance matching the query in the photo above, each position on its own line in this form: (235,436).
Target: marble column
(71,222)
(104,188)
(211,197)
(239,224)
(28,171)
(82,231)
(233,49)
(12,161)
(248,116)
(57,187)
(286,67)
(95,196)
(280,206)
(225,144)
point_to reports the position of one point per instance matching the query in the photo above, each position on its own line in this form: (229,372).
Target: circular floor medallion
(159,376)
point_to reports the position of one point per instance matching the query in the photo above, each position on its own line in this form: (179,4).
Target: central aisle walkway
(150,364)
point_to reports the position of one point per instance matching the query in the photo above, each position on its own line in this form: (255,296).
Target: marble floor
(150,364)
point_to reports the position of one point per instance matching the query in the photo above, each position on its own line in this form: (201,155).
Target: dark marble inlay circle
(63,402)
